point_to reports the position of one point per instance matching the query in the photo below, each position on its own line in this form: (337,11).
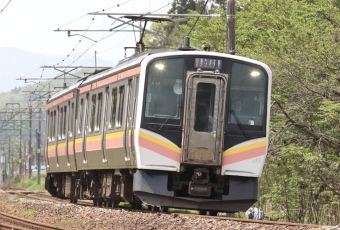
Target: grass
(27,212)
(20,182)
(184,211)
(17,197)
(65,223)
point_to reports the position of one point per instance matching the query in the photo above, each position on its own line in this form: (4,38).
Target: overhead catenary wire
(5,6)
(81,39)
(198,18)
(36,90)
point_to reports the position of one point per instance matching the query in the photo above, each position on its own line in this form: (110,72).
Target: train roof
(123,64)
(135,60)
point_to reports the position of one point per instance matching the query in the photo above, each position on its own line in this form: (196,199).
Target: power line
(5,6)
(198,17)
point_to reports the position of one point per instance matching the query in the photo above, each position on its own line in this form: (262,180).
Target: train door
(63,158)
(80,151)
(115,148)
(70,135)
(94,127)
(203,119)
(130,117)
(52,141)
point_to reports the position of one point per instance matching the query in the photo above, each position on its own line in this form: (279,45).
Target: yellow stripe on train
(245,148)
(160,142)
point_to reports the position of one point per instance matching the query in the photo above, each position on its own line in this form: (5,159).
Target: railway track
(47,197)
(16,223)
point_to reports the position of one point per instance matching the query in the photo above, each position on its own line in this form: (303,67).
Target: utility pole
(11,155)
(20,150)
(38,154)
(95,60)
(231,27)
(30,143)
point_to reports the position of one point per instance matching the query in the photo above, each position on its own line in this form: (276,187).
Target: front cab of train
(202,140)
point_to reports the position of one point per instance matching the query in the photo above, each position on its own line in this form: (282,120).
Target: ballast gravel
(72,216)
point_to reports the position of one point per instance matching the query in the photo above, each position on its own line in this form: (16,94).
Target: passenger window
(50,115)
(112,124)
(99,112)
(121,106)
(93,112)
(60,123)
(71,121)
(63,134)
(53,125)
(81,113)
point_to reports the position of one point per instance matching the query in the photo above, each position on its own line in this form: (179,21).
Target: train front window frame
(163,91)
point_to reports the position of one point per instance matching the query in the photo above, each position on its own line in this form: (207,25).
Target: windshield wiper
(169,118)
(239,123)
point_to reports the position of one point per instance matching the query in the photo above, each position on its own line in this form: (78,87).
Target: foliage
(20,182)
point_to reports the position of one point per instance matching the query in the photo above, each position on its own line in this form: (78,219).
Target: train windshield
(247,95)
(164,89)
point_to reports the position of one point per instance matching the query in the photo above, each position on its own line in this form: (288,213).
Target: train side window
(60,123)
(120,106)
(50,115)
(81,114)
(63,134)
(71,121)
(99,111)
(53,125)
(113,109)
(93,112)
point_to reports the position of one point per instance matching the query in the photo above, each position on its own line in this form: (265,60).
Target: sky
(30,25)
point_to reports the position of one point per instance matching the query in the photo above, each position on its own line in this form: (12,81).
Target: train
(166,128)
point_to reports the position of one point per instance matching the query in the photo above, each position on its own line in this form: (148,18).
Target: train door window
(247,95)
(99,111)
(81,114)
(63,135)
(60,123)
(113,109)
(204,112)
(93,112)
(120,106)
(71,120)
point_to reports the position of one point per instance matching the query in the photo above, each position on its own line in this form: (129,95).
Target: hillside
(16,63)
